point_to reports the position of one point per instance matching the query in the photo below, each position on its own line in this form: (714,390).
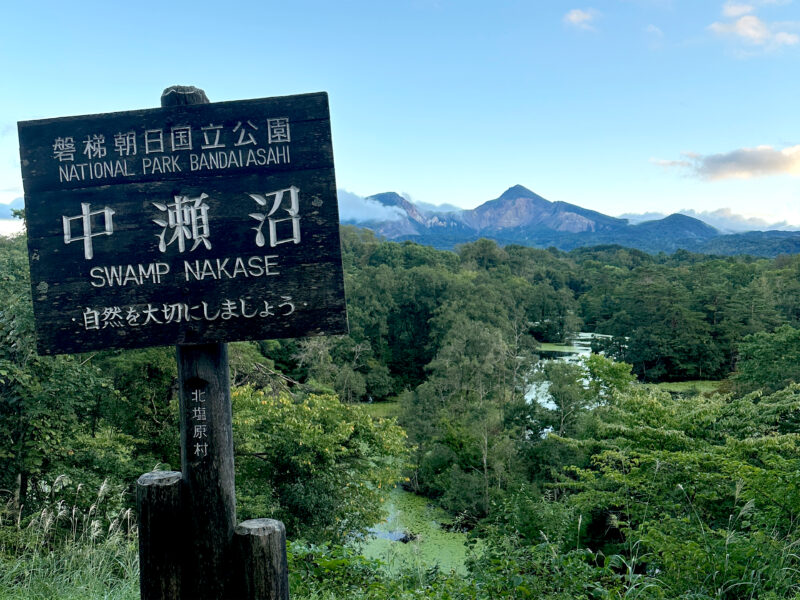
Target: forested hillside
(609,486)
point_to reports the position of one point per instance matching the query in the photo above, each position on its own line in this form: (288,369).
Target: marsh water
(413,535)
(576,348)
(573,351)
(425,543)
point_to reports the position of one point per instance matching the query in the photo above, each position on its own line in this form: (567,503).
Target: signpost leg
(209,502)
(158,503)
(261,563)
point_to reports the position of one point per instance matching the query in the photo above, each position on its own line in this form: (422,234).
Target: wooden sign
(188,224)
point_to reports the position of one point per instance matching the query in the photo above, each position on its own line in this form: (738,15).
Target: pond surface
(416,520)
(578,347)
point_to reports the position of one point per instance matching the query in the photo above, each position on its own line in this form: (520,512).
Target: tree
(43,399)
(482,254)
(606,376)
(314,354)
(567,399)
(768,361)
(659,332)
(321,466)
(466,453)
(145,406)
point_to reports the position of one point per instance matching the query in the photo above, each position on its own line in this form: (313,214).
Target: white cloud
(726,220)
(635,218)
(654,37)
(783,38)
(355,209)
(654,31)
(742,163)
(750,29)
(734,9)
(582,18)
(723,219)
(427,207)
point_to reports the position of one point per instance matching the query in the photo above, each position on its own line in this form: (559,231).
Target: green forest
(664,465)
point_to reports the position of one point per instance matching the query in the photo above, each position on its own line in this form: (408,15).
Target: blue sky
(615,105)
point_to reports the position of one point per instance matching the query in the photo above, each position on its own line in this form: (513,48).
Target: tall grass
(80,546)
(69,550)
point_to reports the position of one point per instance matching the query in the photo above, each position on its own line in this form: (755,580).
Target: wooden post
(209,500)
(181,95)
(158,502)
(262,569)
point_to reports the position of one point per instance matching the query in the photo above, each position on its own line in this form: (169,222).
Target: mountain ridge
(520,216)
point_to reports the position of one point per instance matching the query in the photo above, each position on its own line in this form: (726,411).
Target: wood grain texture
(85,303)
(161,536)
(207,466)
(260,550)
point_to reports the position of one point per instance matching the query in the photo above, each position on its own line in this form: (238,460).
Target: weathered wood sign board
(189,224)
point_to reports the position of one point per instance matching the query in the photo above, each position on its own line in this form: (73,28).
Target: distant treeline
(673,317)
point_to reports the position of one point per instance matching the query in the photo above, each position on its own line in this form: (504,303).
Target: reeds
(68,550)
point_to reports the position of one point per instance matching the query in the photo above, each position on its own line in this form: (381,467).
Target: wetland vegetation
(662,464)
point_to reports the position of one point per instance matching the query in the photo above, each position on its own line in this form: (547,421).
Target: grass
(108,571)
(68,550)
(92,564)
(382,410)
(548,347)
(699,386)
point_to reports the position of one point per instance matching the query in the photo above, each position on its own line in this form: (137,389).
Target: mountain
(723,219)
(519,209)
(757,243)
(15,204)
(669,234)
(520,216)
(415,223)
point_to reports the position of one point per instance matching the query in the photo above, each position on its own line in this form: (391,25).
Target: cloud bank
(723,219)
(355,209)
(427,207)
(742,163)
(726,220)
(744,26)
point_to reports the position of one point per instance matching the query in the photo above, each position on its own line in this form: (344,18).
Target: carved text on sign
(184,224)
(181,148)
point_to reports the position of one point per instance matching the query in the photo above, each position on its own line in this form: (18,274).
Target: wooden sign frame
(186,224)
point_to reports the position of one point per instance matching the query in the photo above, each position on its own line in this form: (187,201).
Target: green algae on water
(431,545)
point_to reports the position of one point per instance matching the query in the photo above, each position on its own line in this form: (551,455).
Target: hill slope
(520,216)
